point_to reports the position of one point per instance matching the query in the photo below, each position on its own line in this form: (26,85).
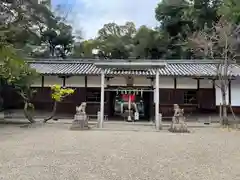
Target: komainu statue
(80,121)
(178,120)
(81,108)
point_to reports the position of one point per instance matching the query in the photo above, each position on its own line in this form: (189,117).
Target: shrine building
(148,87)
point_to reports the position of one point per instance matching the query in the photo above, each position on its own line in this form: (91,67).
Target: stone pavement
(53,152)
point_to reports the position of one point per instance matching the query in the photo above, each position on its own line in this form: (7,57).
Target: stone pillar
(157,99)
(158,124)
(102,99)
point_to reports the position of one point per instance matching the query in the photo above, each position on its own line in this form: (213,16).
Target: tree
(180,18)
(58,94)
(175,24)
(14,72)
(84,49)
(22,21)
(204,13)
(230,9)
(59,39)
(150,44)
(218,43)
(116,41)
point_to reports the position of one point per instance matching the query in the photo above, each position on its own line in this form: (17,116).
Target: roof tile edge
(96,61)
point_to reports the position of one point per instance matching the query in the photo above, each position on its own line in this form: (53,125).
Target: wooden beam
(198,78)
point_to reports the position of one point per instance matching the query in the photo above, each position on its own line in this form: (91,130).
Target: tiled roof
(88,68)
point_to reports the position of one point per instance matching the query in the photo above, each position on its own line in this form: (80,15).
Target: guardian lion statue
(81,108)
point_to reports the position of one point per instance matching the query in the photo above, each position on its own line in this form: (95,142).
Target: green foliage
(178,20)
(116,41)
(21,21)
(230,9)
(59,93)
(60,36)
(84,49)
(13,70)
(16,73)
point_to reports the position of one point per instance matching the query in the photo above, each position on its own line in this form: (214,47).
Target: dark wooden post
(64,81)
(175,83)
(229,92)
(42,81)
(198,95)
(151,99)
(108,103)
(214,91)
(85,87)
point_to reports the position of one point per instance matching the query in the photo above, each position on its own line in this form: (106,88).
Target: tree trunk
(224,109)
(27,113)
(236,121)
(52,114)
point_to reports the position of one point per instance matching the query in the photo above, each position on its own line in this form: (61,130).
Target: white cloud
(91,15)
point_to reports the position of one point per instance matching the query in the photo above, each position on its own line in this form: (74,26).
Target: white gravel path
(55,153)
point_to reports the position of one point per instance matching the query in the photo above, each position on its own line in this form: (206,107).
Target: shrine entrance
(113,67)
(130,104)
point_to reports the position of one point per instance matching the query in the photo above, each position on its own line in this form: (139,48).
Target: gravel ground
(53,152)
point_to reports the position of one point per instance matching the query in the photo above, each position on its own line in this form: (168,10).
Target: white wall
(137,81)
(94,81)
(141,81)
(235,92)
(117,81)
(166,82)
(51,80)
(219,95)
(186,83)
(75,81)
(206,83)
(37,82)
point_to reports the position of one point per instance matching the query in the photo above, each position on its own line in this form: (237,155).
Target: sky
(90,15)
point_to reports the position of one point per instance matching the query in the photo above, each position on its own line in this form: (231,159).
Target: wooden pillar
(214,91)
(198,94)
(198,83)
(174,94)
(151,100)
(157,100)
(85,87)
(64,81)
(108,103)
(102,99)
(42,81)
(229,91)
(175,83)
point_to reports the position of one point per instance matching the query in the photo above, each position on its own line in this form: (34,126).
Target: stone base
(179,128)
(76,127)
(33,125)
(80,122)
